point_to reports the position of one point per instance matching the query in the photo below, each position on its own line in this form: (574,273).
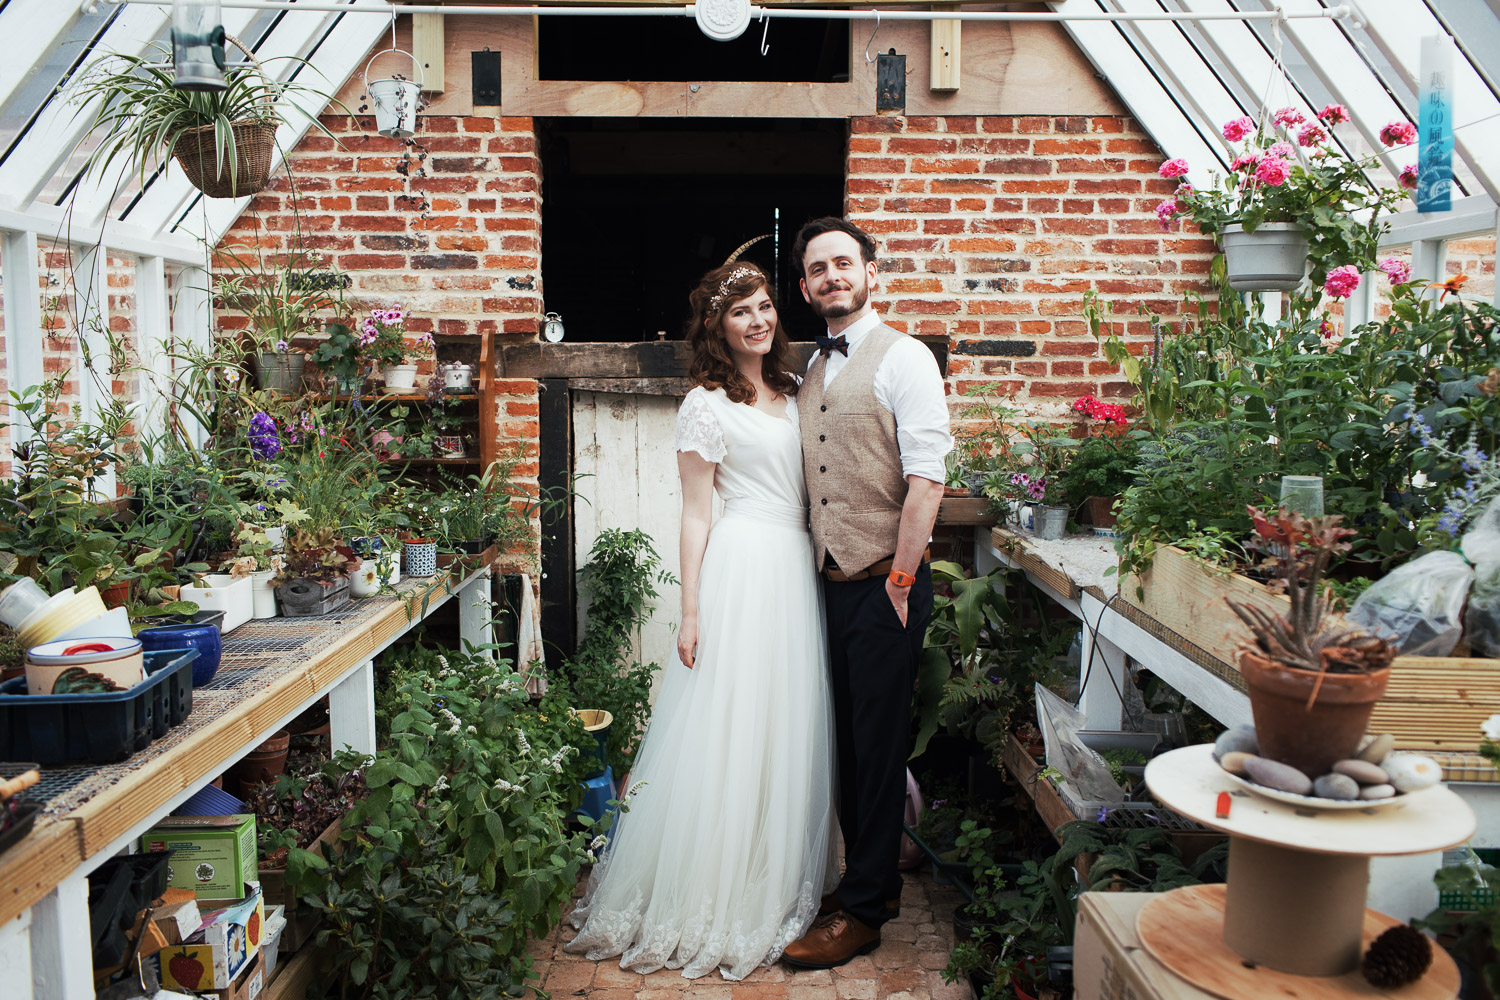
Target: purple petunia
(265,441)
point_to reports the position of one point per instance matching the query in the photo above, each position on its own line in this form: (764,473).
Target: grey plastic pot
(1271,259)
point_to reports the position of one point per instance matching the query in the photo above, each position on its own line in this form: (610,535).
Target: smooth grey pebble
(1376,750)
(1362,771)
(1336,786)
(1282,777)
(1240,739)
(1234,761)
(1377,791)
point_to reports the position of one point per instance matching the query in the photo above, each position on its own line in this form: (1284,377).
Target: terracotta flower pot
(1311,740)
(1101,511)
(265,763)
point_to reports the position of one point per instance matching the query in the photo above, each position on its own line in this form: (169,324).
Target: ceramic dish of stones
(1313,802)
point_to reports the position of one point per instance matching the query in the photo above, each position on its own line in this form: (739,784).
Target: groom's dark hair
(831,224)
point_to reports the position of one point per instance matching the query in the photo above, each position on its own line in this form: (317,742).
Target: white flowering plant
(1289,170)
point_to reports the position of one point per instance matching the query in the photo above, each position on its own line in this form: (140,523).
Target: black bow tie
(827,345)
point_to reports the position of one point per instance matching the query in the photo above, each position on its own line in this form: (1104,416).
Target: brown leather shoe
(831,941)
(831,904)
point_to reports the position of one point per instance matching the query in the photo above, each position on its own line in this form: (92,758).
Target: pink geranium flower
(1246,162)
(1399,134)
(1238,129)
(1334,114)
(1164,213)
(1173,168)
(1342,281)
(1272,171)
(1312,134)
(1408,178)
(1289,118)
(1398,270)
(1281,149)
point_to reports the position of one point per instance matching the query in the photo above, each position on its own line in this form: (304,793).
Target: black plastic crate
(99,728)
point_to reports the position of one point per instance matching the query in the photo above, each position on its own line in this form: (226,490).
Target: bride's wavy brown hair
(713,366)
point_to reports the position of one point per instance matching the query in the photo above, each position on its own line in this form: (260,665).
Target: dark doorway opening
(673,48)
(634,211)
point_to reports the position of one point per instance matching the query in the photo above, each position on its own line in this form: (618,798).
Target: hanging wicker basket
(254,147)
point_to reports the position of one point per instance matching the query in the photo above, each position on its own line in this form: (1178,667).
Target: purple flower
(281,346)
(265,442)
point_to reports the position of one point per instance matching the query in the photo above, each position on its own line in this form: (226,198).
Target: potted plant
(280,297)
(1102,469)
(223,139)
(382,337)
(338,354)
(255,557)
(1045,455)
(314,579)
(1312,687)
(1290,197)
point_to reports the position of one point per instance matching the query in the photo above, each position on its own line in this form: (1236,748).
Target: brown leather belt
(881,568)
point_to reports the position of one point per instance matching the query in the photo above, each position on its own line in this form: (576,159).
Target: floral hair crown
(717,302)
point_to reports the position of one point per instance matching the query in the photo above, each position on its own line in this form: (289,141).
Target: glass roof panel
(20,109)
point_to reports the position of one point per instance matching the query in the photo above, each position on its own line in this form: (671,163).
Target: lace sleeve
(698,429)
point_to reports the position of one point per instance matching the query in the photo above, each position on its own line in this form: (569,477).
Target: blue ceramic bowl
(204,638)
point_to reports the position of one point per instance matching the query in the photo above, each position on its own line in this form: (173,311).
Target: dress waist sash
(787,515)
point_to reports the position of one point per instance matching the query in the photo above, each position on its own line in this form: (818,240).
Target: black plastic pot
(1060,966)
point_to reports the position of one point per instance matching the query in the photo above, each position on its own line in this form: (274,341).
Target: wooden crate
(1432,704)
(966,510)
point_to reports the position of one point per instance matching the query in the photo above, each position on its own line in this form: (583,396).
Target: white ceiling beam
(1398,30)
(31,33)
(1471,216)
(341,54)
(55,137)
(1197,84)
(1149,102)
(52,225)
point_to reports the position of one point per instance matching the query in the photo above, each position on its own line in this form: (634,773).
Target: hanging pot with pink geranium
(1293,206)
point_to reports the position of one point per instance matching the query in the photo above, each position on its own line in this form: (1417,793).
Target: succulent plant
(1300,548)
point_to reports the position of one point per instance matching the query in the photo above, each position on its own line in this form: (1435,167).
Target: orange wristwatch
(901,579)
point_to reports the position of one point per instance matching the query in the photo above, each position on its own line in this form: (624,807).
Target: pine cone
(1398,956)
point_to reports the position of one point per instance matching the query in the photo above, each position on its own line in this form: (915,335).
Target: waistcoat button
(822,468)
(825,501)
(822,437)
(823,408)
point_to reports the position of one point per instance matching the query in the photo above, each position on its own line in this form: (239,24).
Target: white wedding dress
(722,857)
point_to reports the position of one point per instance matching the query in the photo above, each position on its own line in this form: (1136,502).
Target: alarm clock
(552,329)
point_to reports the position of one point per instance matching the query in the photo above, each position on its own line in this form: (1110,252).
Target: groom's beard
(859,296)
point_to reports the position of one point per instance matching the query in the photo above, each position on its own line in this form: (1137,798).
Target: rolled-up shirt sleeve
(909,385)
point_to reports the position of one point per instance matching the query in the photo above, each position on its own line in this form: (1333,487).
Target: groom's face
(835,279)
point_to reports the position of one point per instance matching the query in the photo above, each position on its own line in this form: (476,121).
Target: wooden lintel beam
(648,360)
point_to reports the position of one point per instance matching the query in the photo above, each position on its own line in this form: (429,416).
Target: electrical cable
(1088,668)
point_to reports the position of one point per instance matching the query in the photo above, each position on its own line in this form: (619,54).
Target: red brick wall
(449,228)
(993,228)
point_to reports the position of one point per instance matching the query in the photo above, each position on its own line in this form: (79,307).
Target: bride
(723,856)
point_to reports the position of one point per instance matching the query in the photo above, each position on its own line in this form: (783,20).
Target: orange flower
(1454,285)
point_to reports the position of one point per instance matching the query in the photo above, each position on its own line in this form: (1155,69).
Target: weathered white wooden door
(625,461)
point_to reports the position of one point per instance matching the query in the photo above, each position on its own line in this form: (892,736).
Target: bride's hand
(687,641)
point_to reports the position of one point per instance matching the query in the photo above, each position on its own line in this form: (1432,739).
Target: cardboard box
(216,954)
(1108,960)
(215,854)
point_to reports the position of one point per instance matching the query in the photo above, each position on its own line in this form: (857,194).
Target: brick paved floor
(907,965)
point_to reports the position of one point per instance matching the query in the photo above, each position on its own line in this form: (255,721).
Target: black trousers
(873,667)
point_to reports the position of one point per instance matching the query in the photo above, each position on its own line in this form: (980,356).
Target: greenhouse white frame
(1182,67)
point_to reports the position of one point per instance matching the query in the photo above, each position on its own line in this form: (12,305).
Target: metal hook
(765,19)
(868,58)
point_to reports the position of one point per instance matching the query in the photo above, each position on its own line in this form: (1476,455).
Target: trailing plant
(294,810)
(281,294)
(620,579)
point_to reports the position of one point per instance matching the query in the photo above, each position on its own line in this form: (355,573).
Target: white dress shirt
(910,387)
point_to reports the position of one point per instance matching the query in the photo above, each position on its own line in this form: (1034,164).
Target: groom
(874,422)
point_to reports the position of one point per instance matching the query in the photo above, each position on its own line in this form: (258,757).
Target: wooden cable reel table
(1294,905)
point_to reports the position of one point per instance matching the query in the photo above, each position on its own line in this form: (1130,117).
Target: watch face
(553,331)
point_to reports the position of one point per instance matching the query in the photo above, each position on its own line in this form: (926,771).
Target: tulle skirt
(729,840)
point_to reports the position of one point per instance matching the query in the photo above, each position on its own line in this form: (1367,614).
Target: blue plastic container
(99,728)
(203,637)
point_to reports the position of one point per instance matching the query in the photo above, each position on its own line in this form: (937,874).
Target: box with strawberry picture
(228,939)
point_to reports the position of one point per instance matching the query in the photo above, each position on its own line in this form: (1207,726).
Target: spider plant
(139,114)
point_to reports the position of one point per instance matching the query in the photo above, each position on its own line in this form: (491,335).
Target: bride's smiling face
(749,325)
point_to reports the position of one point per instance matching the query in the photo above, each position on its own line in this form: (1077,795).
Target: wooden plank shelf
(1015,545)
